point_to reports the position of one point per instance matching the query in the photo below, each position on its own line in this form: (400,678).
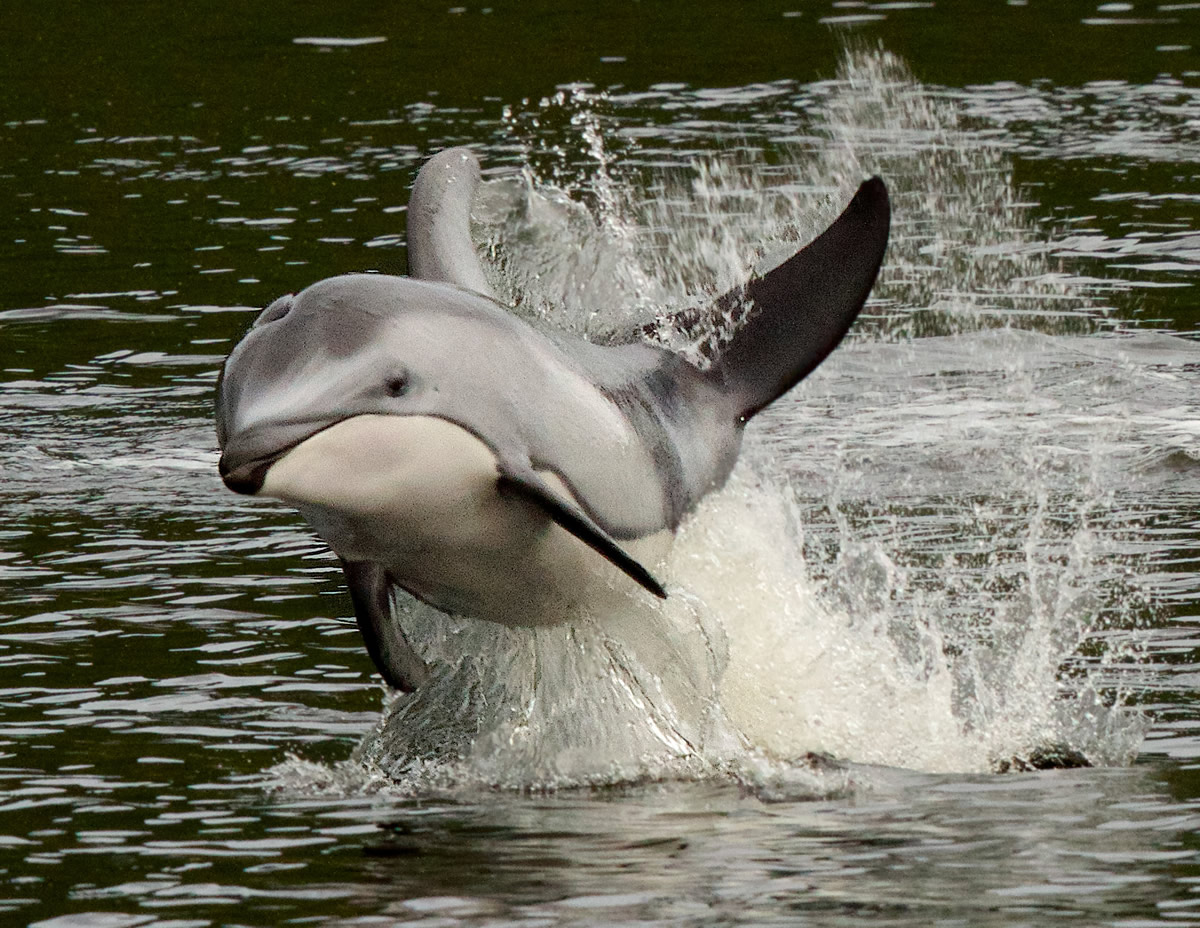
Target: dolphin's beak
(246,456)
(244,477)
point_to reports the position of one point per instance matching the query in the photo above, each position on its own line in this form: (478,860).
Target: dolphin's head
(344,347)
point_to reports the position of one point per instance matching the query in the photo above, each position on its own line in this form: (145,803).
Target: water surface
(969,535)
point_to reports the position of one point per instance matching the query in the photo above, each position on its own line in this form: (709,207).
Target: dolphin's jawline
(511,478)
(247,477)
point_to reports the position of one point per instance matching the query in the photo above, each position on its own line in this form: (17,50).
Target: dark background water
(146,117)
(166,169)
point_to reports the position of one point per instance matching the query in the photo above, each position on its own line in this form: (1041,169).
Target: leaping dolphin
(440,444)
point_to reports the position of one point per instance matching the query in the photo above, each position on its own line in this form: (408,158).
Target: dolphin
(497,470)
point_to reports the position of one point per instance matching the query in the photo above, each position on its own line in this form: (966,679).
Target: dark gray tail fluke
(798,312)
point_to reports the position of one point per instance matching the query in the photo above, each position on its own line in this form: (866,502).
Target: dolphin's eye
(276,310)
(396,384)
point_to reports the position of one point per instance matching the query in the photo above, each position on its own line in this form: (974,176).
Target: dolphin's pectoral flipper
(370,591)
(527,484)
(800,310)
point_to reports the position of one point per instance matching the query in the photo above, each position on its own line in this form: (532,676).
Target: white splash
(774,649)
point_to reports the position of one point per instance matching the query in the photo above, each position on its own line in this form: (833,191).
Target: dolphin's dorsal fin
(800,310)
(525,482)
(439,222)
(371,593)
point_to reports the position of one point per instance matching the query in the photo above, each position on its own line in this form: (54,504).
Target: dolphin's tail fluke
(439,222)
(798,312)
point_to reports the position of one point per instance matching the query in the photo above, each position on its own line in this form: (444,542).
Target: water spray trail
(907,558)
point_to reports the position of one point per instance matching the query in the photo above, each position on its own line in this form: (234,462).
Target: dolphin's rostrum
(440,444)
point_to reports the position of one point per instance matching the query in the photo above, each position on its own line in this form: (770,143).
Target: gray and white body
(438,443)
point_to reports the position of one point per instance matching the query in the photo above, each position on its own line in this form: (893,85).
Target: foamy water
(954,653)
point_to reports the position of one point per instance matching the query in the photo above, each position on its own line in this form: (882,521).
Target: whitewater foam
(764,662)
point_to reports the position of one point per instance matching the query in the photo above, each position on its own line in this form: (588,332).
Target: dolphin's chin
(246,458)
(246,479)
(248,475)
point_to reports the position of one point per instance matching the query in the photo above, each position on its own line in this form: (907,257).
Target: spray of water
(809,615)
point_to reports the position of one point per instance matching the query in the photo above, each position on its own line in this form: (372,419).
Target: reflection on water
(939,553)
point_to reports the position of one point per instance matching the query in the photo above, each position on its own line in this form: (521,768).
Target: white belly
(419,495)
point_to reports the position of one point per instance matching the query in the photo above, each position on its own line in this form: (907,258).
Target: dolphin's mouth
(246,458)
(248,477)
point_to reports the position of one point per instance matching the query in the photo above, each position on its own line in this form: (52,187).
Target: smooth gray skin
(636,433)
(346,344)
(439,212)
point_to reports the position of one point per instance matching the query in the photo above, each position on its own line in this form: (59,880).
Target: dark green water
(996,480)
